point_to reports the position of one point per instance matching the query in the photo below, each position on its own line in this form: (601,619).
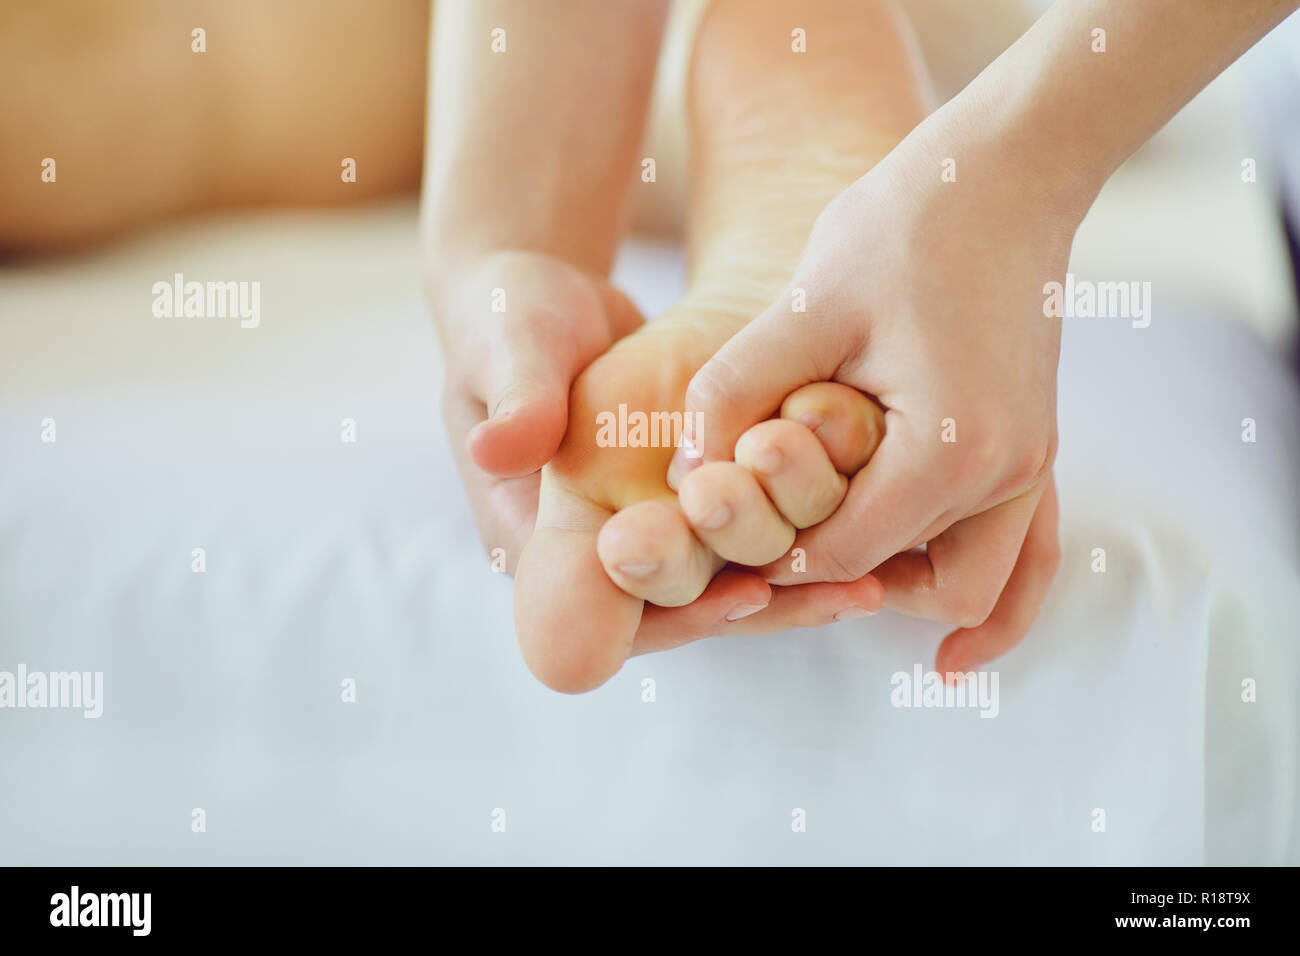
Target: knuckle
(990,452)
(1049,555)
(968,605)
(1018,474)
(971,462)
(710,387)
(1031,463)
(838,216)
(1023,464)
(555,304)
(838,570)
(774,434)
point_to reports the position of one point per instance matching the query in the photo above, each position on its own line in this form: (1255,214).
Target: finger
(524,434)
(959,575)
(848,423)
(504,509)
(548,338)
(649,550)
(747,379)
(731,515)
(889,502)
(804,605)
(525,390)
(793,468)
(812,605)
(969,649)
(731,596)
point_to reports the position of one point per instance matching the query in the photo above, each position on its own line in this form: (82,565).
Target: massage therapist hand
(923,285)
(927,295)
(531,158)
(508,373)
(518,236)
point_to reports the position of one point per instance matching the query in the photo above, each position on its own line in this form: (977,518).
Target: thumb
(526,384)
(748,378)
(527,415)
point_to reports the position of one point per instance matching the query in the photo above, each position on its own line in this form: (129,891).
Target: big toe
(575,626)
(649,550)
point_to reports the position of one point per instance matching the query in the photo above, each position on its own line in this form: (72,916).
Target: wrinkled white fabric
(328,561)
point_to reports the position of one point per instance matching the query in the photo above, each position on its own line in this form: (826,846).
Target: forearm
(1053,117)
(535,147)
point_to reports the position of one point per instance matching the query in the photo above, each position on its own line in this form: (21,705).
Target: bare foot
(775,136)
(789,473)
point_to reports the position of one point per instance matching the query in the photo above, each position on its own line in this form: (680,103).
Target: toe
(730,513)
(649,551)
(575,626)
(734,595)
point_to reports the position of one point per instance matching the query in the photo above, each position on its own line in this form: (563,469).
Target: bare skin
(929,293)
(142,128)
(771,145)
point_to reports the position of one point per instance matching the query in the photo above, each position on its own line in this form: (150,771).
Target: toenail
(768,460)
(849,613)
(812,421)
(744,610)
(637,570)
(717,518)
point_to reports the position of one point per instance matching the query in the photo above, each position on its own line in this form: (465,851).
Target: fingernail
(744,610)
(681,465)
(768,460)
(637,570)
(849,613)
(717,518)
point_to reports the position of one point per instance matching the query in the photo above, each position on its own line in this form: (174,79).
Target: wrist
(452,239)
(468,284)
(1003,162)
(1018,130)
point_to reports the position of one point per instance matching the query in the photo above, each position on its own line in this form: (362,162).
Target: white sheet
(328,561)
